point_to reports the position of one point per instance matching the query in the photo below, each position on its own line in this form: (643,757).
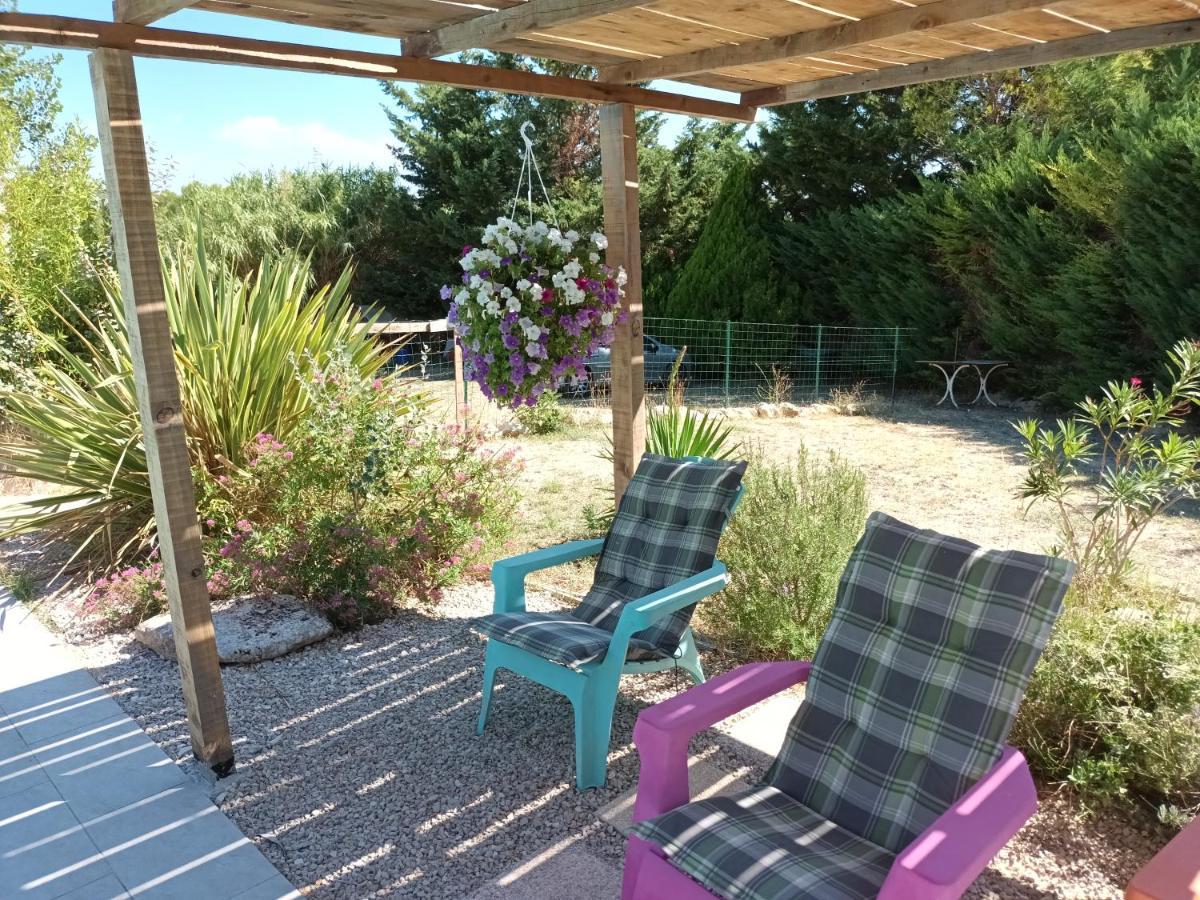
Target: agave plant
(237,342)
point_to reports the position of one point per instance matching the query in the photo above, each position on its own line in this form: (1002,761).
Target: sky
(207,122)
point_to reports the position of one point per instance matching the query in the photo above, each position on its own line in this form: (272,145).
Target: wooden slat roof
(740,45)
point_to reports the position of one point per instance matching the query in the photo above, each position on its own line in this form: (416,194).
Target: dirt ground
(953,471)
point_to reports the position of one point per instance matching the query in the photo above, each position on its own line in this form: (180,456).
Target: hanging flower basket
(533,304)
(531,309)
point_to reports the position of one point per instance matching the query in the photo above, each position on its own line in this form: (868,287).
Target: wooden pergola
(768,52)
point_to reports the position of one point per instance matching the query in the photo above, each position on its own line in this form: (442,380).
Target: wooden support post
(460,385)
(135,242)
(618,152)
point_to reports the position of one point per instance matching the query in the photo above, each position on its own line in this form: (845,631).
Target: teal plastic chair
(590,675)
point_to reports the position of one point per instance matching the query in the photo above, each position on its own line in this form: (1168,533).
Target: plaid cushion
(761,844)
(558,637)
(667,529)
(917,679)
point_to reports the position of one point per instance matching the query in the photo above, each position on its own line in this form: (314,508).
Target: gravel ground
(359,774)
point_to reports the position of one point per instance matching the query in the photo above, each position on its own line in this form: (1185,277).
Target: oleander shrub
(1113,708)
(786,547)
(366,505)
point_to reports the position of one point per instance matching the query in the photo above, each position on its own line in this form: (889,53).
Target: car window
(649,345)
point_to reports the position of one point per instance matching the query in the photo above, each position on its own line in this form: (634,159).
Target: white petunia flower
(514,304)
(606,318)
(600,240)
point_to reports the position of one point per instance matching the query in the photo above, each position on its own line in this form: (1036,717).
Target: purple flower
(446,292)
(511,342)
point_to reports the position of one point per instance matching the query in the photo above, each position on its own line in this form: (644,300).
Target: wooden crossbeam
(1124,40)
(821,40)
(164,43)
(160,408)
(505,24)
(143,12)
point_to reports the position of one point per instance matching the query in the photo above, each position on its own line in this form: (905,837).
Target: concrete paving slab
(705,780)
(18,770)
(177,845)
(44,853)
(560,873)
(106,888)
(274,888)
(107,768)
(764,726)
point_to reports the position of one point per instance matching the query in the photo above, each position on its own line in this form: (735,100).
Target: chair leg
(593,732)
(489,681)
(689,659)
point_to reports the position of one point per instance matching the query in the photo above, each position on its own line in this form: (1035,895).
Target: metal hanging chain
(530,168)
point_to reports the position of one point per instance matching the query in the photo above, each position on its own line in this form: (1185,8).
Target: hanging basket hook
(527,137)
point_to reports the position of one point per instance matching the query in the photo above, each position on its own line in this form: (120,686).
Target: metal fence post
(728,355)
(895,360)
(820,341)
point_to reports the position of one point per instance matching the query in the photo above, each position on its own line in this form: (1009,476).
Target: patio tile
(765,726)
(177,845)
(107,767)
(274,888)
(107,888)
(559,873)
(43,722)
(706,780)
(44,852)
(18,770)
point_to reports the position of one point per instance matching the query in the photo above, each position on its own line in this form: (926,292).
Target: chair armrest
(663,731)
(508,575)
(642,613)
(951,852)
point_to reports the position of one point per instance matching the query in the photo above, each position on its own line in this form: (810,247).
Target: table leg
(983,380)
(949,385)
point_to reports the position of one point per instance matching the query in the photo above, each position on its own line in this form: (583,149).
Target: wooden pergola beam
(143,12)
(505,24)
(135,245)
(1124,40)
(619,171)
(164,43)
(822,40)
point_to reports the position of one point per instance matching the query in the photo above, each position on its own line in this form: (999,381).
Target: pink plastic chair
(941,863)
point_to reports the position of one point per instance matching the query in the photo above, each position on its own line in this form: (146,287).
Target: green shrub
(1146,462)
(124,599)
(236,343)
(785,548)
(364,507)
(1112,706)
(547,416)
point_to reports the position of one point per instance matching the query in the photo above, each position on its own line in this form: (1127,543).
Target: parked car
(658,358)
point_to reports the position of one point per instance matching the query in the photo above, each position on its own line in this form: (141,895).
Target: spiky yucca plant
(237,341)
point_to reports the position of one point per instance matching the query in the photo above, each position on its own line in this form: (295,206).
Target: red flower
(1135,382)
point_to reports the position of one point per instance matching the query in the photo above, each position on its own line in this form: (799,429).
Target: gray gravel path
(359,774)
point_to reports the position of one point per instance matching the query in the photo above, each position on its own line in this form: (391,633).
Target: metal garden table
(950,368)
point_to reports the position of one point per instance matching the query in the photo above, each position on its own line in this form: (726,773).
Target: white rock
(249,629)
(767,411)
(789,410)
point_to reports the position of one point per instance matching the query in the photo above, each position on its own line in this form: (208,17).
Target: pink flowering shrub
(120,601)
(365,507)
(531,307)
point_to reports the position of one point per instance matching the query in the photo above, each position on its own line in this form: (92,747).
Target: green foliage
(1111,708)
(1145,464)
(681,431)
(547,416)
(333,215)
(365,506)
(123,600)
(51,225)
(236,343)
(731,274)
(786,547)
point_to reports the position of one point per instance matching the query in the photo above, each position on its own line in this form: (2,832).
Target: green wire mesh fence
(723,362)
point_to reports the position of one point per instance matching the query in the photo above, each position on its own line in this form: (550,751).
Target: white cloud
(264,142)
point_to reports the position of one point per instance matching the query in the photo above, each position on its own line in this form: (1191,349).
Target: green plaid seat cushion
(558,637)
(666,529)
(761,844)
(917,679)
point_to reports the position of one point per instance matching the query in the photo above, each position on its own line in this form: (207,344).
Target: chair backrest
(917,679)
(666,529)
